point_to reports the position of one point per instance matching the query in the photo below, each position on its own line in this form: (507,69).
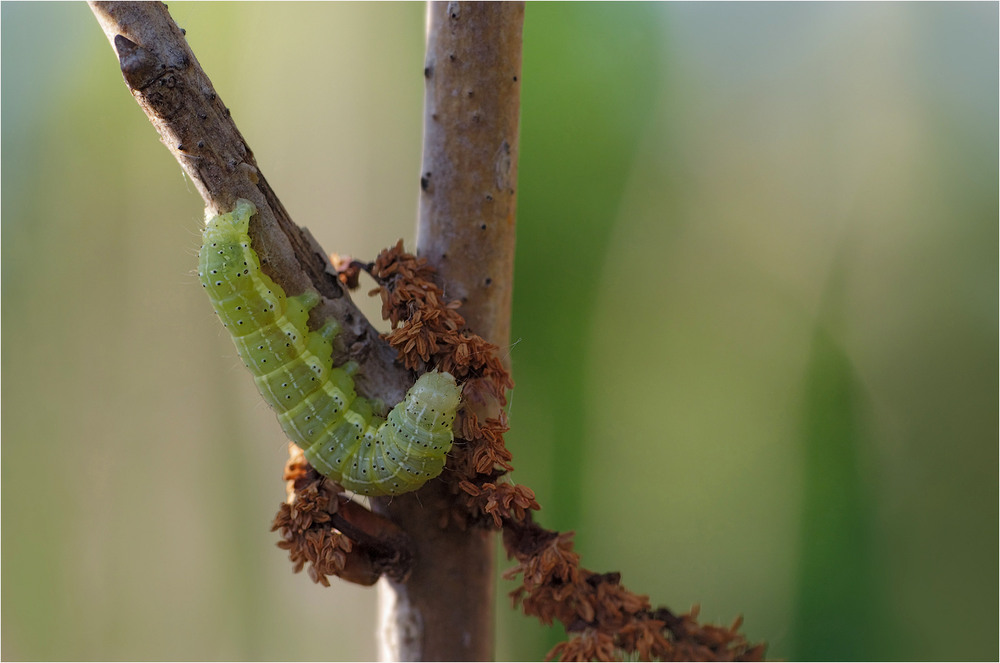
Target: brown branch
(466,230)
(170,86)
(469,170)
(168,83)
(444,611)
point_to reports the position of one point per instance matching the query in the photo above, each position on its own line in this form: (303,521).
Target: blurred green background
(755,321)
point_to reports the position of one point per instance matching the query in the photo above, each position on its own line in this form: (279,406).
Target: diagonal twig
(164,76)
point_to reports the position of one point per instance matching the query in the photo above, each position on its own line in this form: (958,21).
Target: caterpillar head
(435,391)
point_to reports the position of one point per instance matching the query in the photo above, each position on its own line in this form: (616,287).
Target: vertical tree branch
(471,128)
(466,229)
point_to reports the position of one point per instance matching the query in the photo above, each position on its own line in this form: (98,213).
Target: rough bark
(466,229)
(177,96)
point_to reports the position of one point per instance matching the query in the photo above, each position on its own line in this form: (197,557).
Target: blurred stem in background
(840,587)
(591,75)
(840,605)
(587,108)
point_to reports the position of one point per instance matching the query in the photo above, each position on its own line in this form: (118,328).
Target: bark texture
(466,230)
(164,76)
(469,170)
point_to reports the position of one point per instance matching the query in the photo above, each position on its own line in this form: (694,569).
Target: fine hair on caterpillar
(318,408)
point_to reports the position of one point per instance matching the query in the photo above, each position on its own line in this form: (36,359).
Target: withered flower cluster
(428,332)
(334,535)
(325,530)
(607,622)
(306,523)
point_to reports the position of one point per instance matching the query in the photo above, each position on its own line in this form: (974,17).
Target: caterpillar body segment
(316,402)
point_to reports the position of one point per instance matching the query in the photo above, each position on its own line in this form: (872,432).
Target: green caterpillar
(316,402)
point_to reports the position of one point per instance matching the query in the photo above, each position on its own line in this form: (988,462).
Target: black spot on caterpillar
(315,401)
